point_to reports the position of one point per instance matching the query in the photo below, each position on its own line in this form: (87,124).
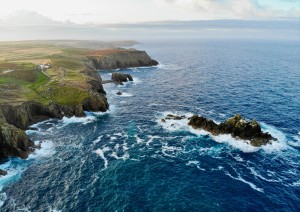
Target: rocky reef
(119,78)
(120,58)
(236,126)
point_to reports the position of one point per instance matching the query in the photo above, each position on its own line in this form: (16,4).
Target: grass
(21,80)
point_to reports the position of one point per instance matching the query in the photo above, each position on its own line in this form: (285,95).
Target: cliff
(49,80)
(14,119)
(120,58)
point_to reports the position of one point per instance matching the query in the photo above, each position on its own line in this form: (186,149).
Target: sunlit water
(128,160)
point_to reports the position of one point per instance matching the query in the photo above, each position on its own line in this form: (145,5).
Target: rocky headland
(120,58)
(68,86)
(236,126)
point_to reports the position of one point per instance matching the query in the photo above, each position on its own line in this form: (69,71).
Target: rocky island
(236,126)
(41,80)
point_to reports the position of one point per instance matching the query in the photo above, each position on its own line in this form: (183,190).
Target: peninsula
(53,79)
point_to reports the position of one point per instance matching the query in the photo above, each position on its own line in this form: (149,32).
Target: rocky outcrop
(3,172)
(236,126)
(15,119)
(120,58)
(119,78)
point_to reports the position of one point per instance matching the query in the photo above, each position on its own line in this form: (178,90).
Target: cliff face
(120,59)
(74,88)
(15,119)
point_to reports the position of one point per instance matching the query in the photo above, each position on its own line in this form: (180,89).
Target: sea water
(128,160)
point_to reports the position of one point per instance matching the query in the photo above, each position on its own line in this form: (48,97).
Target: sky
(135,11)
(149,19)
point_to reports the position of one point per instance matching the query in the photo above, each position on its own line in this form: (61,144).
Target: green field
(21,79)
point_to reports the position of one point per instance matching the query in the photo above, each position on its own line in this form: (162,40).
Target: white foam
(118,134)
(295,184)
(222,115)
(3,197)
(152,139)
(101,152)
(74,119)
(125,147)
(256,174)
(113,138)
(138,139)
(239,178)
(136,81)
(124,94)
(171,124)
(98,139)
(14,171)
(47,149)
(238,158)
(240,144)
(124,157)
(296,142)
(170,151)
(90,117)
(54,210)
(195,163)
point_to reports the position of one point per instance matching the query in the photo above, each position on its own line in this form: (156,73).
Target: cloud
(232,9)
(25,17)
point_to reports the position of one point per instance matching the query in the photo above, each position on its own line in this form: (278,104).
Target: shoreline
(16,119)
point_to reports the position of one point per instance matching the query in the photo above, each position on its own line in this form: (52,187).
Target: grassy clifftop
(21,78)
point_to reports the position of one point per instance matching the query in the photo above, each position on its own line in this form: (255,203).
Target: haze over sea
(128,160)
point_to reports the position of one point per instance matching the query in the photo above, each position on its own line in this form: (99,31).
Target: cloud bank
(27,25)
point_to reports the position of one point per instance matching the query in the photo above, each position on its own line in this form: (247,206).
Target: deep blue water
(128,160)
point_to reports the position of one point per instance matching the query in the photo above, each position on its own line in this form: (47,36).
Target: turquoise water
(128,160)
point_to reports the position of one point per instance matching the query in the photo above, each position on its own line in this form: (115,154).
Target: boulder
(174,117)
(119,78)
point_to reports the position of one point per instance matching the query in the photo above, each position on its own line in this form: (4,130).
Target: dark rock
(174,117)
(119,93)
(119,78)
(163,121)
(3,172)
(33,128)
(236,126)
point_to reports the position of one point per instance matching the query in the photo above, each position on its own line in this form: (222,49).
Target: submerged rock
(3,172)
(119,78)
(174,117)
(119,93)
(236,126)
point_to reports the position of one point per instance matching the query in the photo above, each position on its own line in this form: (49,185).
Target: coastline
(15,119)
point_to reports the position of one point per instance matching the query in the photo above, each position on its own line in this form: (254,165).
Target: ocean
(126,159)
